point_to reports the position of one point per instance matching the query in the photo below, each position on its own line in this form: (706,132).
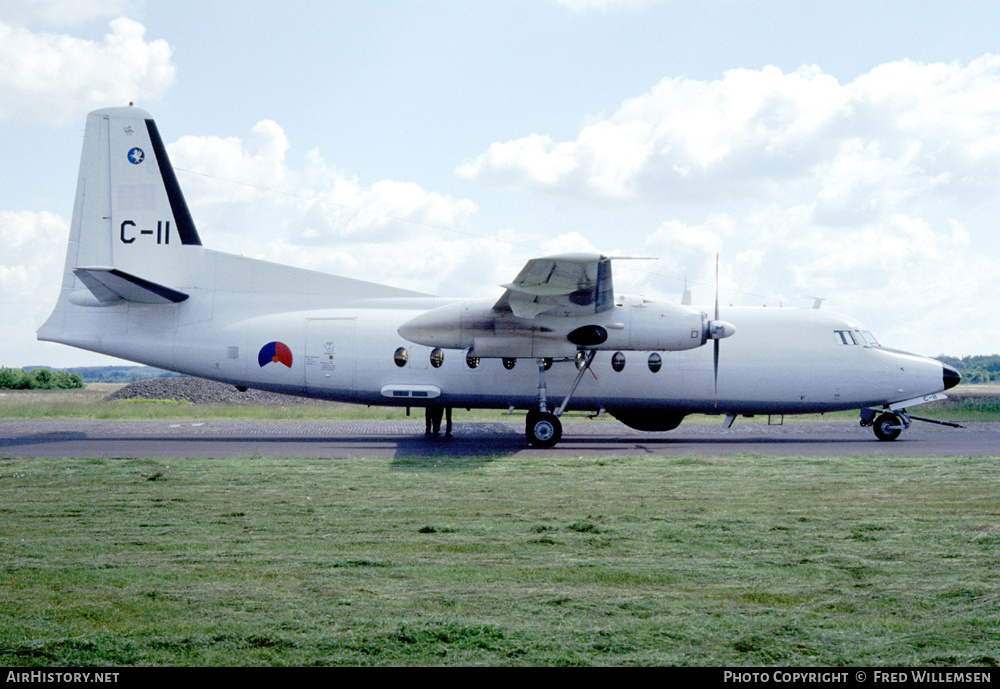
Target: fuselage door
(330,360)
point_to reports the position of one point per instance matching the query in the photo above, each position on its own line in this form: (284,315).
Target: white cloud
(246,197)
(57,78)
(30,272)
(570,242)
(897,131)
(874,194)
(907,279)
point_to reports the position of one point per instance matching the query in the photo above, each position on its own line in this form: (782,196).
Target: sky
(843,150)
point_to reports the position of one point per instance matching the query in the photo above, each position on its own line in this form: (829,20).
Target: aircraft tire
(884,427)
(543,429)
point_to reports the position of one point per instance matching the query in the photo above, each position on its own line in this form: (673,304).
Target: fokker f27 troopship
(139,285)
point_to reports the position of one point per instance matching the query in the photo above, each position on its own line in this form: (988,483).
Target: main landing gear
(542,428)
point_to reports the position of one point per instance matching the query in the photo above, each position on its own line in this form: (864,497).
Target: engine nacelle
(633,325)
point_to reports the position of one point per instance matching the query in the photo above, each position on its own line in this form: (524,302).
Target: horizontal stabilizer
(110,284)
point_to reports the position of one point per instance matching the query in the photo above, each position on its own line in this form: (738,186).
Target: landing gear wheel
(543,429)
(887,427)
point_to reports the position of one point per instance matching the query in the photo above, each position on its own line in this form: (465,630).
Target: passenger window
(471,361)
(437,357)
(509,363)
(400,357)
(618,362)
(655,362)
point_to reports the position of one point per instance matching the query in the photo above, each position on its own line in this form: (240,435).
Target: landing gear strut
(542,428)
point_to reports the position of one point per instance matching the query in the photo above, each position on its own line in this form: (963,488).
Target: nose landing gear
(889,423)
(888,427)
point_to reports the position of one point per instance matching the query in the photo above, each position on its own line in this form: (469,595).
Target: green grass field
(739,560)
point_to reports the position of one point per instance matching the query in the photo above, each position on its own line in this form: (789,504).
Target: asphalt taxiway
(398,439)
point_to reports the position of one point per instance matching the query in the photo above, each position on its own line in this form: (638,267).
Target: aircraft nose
(951,377)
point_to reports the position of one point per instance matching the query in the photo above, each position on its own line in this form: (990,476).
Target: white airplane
(139,285)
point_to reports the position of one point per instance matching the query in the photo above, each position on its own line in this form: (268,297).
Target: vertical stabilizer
(132,240)
(129,214)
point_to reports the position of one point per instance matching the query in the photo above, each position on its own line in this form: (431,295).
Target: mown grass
(737,560)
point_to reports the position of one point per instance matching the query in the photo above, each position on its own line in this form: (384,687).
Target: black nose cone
(951,377)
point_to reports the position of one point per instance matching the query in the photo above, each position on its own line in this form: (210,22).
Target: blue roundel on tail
(275,353)
(136,156)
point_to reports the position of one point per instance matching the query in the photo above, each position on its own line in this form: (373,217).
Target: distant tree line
(975,369)
(120,374)
(38,379)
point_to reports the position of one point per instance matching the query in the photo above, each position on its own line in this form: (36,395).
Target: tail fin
(132,233)
(131,238)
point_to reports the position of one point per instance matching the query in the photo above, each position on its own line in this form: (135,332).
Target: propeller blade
(717,329)
(717,285)
(716,373)
(716,353)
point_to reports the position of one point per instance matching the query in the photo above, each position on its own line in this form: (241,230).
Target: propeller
(718,329)
(715,354)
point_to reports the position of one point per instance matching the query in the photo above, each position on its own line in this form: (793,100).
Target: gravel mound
(199,391)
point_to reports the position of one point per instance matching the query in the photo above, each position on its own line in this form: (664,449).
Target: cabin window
(655,362)
(618,362)
(509,363)
(400,357)
(471,361)
(546,363)
(437,357)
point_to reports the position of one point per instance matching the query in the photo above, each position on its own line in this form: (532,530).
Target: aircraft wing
(564,285)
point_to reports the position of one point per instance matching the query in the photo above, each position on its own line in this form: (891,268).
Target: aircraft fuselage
(783,361)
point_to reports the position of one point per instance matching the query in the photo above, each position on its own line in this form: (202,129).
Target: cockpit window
(870,338)
(845,337)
